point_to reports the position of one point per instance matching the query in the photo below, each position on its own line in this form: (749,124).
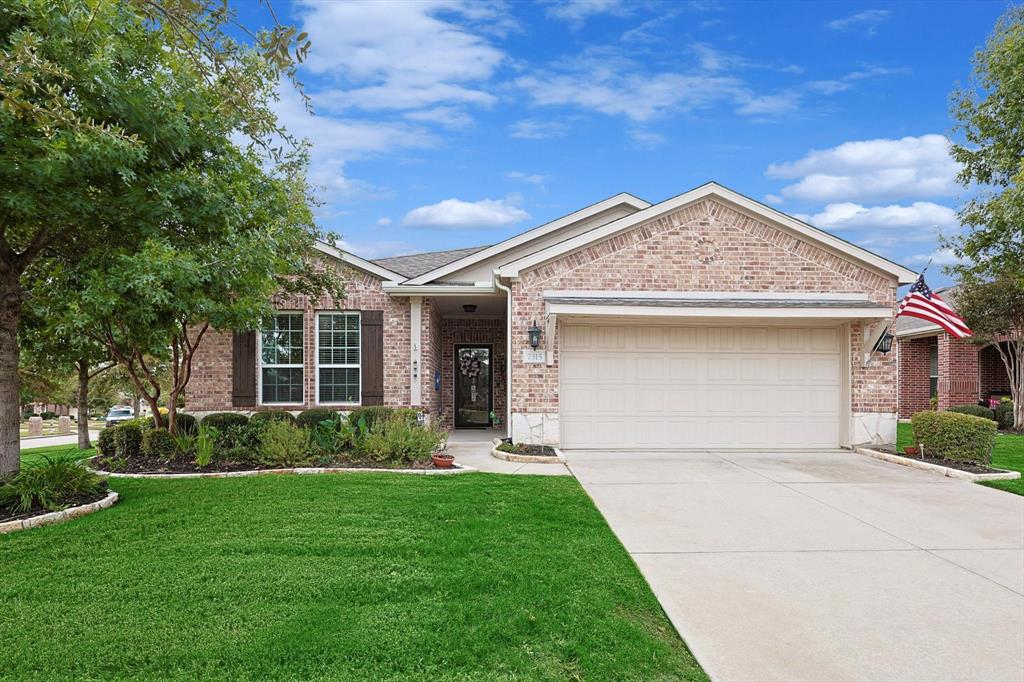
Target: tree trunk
(136,404)
(83,405)
(10,399)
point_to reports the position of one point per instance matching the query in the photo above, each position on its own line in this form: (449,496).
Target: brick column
(958,372)
(914,375)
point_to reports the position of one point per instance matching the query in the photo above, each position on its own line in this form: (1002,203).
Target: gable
(707,246)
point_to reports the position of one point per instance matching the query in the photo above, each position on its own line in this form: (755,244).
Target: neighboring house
(707,320)
(933,364)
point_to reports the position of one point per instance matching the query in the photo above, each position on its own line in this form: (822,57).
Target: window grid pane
(338,356)
(282,385)
(282,345)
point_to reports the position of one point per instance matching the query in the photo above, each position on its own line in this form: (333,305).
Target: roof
(909,326)
(416,264)
(746,204)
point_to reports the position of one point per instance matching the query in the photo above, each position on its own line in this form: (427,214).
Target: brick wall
(431,356)
(469,330)
(210,387)
(705,246)
(914,375)
(992,374)
(958,372)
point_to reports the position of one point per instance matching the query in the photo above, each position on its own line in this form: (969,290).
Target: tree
(995,312)
(990,121)
(99,104)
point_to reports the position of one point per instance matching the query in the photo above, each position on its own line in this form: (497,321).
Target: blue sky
(447,124)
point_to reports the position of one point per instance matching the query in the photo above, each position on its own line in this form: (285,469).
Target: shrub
(1004,414)
(47,414)
(239,442)
(954,435)
(398,441)
(159,444)
(282,444)
(933,403)
(310,418)
(205,441)
(105,443)
(219,420)
(974,410)
(128,439)
(186,423)
(371,414)
(273,415)
(51,485)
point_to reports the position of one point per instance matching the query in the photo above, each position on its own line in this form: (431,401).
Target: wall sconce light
(534,333)
(884,344)
(469,308)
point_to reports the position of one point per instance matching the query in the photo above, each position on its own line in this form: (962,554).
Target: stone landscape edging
(457,469)
(558,458)
(1000,475)
(68,514)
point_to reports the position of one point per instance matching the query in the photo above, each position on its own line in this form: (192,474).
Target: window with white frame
(337,358)
(281,360)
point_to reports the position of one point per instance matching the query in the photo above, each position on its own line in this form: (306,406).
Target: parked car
(118,415)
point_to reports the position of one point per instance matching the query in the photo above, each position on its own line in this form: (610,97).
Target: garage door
(656,386)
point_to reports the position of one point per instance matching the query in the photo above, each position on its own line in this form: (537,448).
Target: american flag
(923,303)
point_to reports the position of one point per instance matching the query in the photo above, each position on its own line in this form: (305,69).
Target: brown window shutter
(243,369)
(372,334)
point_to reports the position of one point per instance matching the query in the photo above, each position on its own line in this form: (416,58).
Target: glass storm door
(473,386)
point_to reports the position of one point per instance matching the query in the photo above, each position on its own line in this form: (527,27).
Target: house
(706,320)
(934,365)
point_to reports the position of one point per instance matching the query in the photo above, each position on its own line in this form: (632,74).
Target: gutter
(508,353)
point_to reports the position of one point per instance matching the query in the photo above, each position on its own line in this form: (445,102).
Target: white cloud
(872,170)
(383,222)
(531,178)
(646,139)
(402,55)
(449,117)
(577,12)
(456,214)
(937,257)
(849,215)
(533,129)
(773,199)
(771,105)
(866,21)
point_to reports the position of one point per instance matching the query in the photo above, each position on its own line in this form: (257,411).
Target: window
(281,360)
(933,372)
(337,358)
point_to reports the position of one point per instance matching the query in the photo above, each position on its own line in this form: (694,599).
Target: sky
(445,123)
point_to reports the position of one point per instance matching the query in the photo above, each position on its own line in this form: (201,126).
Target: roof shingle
(416,264)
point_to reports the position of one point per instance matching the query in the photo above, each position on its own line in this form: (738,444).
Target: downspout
(508,353)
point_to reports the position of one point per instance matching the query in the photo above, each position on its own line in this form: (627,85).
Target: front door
(472,386)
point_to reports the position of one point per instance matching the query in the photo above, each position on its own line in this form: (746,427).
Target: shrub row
(974,411)
(955,435)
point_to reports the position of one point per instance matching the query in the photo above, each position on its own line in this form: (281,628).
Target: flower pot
(442,461)
(912,450)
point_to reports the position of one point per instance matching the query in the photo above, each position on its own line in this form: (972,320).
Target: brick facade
(992,376)
(430,341)
(705,246)
(958,372)
(914,375)
(468,331)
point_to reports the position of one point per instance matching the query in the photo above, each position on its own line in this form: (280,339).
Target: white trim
(784,312)
(415,350)
(705,295)
(839,246)
(530,235)
(405,289)
(259,363)
(357,262)
(508,356)
(316,358)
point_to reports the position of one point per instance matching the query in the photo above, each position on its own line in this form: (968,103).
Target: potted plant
(912,450)
(442,460)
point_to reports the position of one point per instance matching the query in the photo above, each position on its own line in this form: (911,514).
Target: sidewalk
(472,447)
(50,441)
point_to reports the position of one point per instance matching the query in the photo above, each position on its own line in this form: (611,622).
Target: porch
(951,371)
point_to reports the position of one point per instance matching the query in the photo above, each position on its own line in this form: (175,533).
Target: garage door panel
(693,386)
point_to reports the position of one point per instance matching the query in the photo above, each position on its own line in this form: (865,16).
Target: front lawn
(30,456)
(1009,454)
(352,576)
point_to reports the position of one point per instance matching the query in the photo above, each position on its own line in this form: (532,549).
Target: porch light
(534,333)
(884,344)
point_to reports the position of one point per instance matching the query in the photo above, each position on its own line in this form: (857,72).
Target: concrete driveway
(821,565)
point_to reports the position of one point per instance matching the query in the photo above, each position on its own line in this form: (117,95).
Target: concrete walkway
(47,441)
(472,447)
(821,565)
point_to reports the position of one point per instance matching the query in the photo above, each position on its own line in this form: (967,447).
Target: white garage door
(656,386)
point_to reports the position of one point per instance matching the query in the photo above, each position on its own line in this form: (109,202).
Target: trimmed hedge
(186,423)
(974,411)
(219,420)
(159,444)
(273,415)
(312,417)
(128,439)
(1004,414)
(105,443)
(955,435)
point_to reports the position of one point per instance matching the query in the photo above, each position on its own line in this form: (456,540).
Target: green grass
(357,576)
(1008,454)
(31,456)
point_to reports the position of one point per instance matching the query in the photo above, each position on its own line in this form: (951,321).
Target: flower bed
(45,518)
(51,491)
(151,465)
(526,453)
(970,471)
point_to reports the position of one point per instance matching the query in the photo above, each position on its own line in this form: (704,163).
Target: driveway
(821,565)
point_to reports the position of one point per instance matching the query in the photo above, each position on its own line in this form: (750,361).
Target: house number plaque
(534,357)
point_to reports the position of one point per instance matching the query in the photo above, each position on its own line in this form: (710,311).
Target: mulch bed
(969,467)
(76,501)
(150,465)
(527,449)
